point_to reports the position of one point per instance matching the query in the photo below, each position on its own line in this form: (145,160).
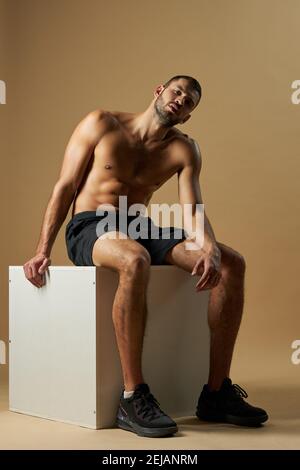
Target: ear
(185,119)
(158,90)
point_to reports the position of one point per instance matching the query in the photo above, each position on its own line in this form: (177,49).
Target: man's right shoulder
(99,115)
(96,123)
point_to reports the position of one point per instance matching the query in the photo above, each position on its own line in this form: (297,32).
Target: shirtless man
(112,154)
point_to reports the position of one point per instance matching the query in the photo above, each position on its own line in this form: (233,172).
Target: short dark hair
(193,82)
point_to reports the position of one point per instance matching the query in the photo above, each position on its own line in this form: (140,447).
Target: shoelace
(149,405)
(239,392)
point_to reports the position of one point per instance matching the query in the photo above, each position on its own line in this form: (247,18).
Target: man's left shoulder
(181,136)
(185,141)
(187,146)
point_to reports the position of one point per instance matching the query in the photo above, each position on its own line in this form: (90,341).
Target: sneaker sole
(252,421)
(146,432)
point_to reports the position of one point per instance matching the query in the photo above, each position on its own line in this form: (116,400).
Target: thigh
(113,251)
(186,259)
(168,238)
(179,255)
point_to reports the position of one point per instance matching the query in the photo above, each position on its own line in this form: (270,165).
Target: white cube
(63,358)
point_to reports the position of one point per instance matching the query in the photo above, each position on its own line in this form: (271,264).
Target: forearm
(209,236)
(54,217)
(200,231)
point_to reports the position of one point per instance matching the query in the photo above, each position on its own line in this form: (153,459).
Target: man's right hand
(35,268)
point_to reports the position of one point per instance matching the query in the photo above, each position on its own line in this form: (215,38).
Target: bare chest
(137,166)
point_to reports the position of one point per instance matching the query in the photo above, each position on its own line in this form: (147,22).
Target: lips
(173,107)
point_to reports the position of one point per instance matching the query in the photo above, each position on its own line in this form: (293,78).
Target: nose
(177,101)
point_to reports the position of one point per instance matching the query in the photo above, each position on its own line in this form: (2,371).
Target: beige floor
(282,431)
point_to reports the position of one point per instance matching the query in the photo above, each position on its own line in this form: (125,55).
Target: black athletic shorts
(84,229)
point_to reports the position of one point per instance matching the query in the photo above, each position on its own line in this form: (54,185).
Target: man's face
(175,103)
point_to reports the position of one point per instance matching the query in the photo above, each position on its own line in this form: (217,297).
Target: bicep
(188,178)
(80,149)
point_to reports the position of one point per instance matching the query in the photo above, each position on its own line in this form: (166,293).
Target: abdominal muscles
(108,192)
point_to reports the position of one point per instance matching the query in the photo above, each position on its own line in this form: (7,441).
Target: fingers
(35,273)
(210,281)
(196,267)
(36,276)
(44,265)
(210,275)
(30,275)
(43,268)
(206,284)
(204,278)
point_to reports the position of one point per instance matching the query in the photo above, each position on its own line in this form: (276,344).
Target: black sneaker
(141,414)
(227,405)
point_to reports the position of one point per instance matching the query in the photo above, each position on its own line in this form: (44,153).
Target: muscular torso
(121,167)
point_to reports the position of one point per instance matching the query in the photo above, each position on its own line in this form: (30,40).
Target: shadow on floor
(282,403)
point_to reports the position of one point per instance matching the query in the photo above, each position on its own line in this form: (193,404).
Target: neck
(146,127)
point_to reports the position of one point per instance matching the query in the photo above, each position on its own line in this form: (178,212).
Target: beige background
(61,59)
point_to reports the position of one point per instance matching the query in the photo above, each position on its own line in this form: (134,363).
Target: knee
(236,263)
(136,265)
(239,263)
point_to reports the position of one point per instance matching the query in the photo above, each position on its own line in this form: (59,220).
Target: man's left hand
(209,265)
